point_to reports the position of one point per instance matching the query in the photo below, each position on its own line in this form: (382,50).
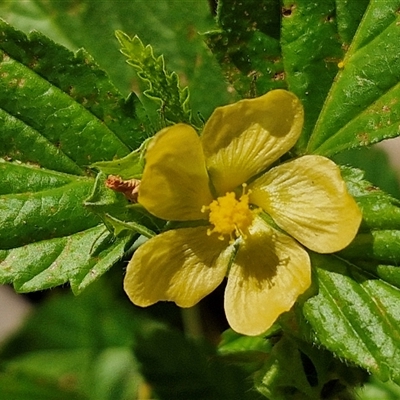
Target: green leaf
(375,389)
(375,248)
(362,106)
(301,54)
(376,166)
(312,48)
(47,236)
(234,343)
(64,101)
(345,108)
(249,352)
(60,114)
(79,259)
(37,204)
(380,210)
(297,370)
(163,87)
(353,310)
(356,316)
(128,167)
(375,245)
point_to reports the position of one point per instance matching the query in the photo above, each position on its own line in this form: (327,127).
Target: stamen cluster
(230,216)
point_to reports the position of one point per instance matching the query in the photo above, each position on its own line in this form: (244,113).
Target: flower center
(230,216)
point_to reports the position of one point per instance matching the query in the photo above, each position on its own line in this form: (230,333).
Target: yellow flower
(221,179)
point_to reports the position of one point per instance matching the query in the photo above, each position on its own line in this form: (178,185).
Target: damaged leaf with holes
(248,45)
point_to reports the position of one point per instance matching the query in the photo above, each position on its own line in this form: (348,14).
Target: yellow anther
(230,216)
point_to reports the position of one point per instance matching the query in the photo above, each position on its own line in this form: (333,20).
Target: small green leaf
(128,167)
(376,248)
(163,87)
(250,352)
(388,273)
(234,343)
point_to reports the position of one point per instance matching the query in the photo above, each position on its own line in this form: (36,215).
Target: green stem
(191,319)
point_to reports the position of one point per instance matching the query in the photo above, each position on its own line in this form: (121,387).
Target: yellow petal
(308,198)
(242,139)
(175,182)
(181,265)
(268,274)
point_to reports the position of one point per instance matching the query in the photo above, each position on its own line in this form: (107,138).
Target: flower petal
(308,198)
(269,272)
(181,265)
(175,183)
(242,139)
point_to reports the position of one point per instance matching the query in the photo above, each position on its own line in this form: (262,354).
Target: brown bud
(129,188)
